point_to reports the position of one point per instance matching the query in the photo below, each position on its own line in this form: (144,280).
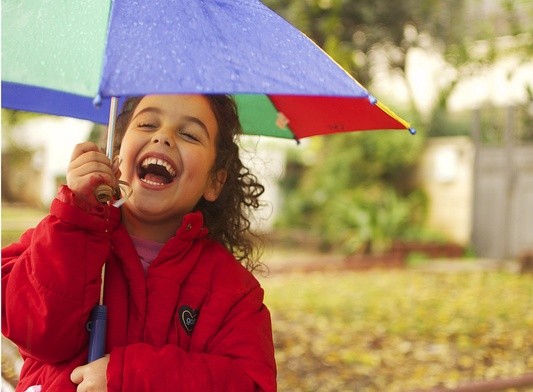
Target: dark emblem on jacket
(188,317)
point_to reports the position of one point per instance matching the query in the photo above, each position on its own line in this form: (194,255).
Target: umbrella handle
(97,329)
(103,193)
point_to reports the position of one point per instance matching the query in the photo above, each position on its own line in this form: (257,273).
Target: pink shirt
(147,250)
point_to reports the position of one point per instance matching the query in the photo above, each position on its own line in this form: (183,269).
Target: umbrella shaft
(104,193)
(111,127)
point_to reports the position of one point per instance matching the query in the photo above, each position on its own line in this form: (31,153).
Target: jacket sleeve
(239,356)
(51,280)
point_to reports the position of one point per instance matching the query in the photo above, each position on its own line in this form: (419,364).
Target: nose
(164,136)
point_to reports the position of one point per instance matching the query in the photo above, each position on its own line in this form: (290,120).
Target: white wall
(446,174)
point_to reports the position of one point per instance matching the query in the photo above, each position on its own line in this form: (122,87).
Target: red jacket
(195,322)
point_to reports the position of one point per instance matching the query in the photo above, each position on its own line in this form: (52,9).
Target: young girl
(183,311)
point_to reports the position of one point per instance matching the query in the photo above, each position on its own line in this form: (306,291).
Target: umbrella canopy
(70,57)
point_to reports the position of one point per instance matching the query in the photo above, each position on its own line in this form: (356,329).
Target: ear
(216,185)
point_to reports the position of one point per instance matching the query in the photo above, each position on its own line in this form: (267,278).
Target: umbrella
(70,58)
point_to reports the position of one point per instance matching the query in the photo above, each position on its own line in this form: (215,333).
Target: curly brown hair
(228,217)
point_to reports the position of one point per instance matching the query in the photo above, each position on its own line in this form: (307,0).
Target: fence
(502,222)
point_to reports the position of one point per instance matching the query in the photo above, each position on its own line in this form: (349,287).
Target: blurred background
(393,262)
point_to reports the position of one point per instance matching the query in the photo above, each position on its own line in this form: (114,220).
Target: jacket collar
(192,226)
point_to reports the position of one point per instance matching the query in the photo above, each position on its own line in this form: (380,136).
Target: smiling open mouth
(155,171)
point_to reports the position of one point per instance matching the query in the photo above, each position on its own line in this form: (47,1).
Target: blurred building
(446,172)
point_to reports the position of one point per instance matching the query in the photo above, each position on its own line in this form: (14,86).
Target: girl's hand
(88,169)
(91,377)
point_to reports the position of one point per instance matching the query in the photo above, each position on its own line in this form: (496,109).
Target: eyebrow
(199,122)
(190,119)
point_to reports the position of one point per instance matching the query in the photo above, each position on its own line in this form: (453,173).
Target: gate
(502,222)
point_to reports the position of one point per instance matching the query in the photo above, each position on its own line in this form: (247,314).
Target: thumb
(77,375)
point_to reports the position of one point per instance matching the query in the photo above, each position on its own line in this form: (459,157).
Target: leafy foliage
(358,193)
(398,331)
(350,30)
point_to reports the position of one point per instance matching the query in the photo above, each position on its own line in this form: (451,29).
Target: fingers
(84,147)
(77,375)
(88,169)
(91,377)
(88,152)
(90,163)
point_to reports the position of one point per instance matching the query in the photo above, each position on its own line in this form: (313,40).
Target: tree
(368,37)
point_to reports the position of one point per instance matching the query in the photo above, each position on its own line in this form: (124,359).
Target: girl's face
(168,152)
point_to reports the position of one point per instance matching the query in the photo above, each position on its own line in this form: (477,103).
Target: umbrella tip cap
(412,131)
(97,101)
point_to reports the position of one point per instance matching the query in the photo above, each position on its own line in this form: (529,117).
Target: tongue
(155,178)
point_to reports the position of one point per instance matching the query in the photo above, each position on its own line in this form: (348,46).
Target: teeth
(151,182)
(160,162)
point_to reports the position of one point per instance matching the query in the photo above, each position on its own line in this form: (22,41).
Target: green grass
(15,212)
(16,219)
(401,330)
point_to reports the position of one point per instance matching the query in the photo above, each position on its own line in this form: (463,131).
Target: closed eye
(146,125)
(189,136)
